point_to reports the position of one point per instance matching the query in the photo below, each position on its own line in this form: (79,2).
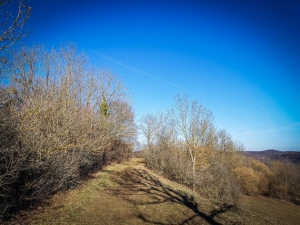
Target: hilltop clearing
(129,193)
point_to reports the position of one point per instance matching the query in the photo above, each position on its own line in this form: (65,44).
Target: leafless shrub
(284,182)
(218,183)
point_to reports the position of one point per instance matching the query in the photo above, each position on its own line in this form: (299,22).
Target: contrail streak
(257,132)
(257,104)
(137,70)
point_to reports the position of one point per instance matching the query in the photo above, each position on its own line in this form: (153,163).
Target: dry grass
(281,212)
(131,194)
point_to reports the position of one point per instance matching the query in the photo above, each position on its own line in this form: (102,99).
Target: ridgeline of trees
(184,145)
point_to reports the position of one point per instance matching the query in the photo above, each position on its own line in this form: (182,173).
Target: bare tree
(148,126)
(12,22)
(165,132)
(195,126)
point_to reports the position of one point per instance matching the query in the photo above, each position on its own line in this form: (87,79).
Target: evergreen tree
(104,108)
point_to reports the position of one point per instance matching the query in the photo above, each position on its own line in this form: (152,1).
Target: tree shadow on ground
(151,191)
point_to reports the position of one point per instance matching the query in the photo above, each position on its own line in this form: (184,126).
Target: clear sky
(240,59)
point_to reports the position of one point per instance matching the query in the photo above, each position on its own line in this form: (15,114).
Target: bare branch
(12,26)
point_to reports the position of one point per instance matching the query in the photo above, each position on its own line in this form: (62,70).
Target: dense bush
(248,179)
(274,179)
(285,181)
(60,118)
(215,181)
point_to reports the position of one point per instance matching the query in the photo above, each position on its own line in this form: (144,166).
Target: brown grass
(281,212)
(129,193)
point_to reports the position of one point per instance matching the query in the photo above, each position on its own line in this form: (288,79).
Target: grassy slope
(130,194)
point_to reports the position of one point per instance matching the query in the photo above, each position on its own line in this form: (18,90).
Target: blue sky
(240,59)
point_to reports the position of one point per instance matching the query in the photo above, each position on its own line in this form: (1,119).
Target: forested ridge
(184,145)
(275,155)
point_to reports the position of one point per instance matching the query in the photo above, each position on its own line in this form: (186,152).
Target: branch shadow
(135,181)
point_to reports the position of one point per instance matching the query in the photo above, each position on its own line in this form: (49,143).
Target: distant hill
(265,156)
(275,155)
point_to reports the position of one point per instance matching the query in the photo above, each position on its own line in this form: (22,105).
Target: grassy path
(130,194)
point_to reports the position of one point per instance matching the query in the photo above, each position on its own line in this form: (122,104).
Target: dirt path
(130,194)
